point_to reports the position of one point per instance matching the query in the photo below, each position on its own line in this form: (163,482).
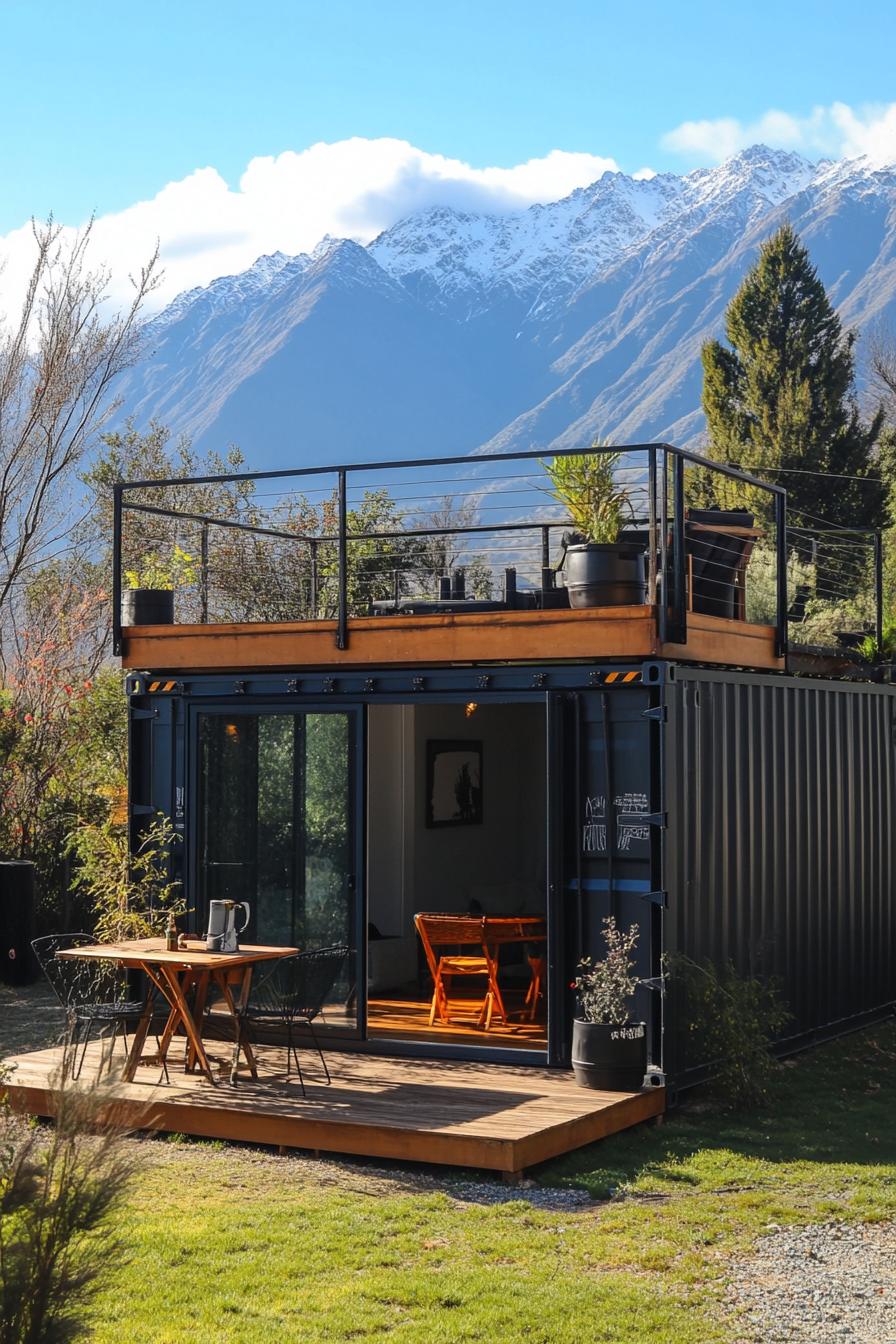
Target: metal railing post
(203,574)
(117,491)
(342,616)
(878,591)
(651,526)
(663,604)
(314,595)
(680,581)
(781,552)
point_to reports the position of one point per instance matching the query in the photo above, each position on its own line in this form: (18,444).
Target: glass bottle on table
(171,933)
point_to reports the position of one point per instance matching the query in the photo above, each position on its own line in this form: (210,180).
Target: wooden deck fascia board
(624,633)
(439,1122)
(713,639)
(568,1135)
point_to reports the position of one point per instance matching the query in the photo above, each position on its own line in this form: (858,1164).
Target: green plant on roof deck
(586,485)
(886,650)
(155,573)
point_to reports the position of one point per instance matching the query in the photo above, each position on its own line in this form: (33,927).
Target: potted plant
(609,1050)
(602,568)
(149,596)
(882,655)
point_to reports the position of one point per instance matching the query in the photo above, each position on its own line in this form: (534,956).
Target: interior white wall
(412,867)
(390,734)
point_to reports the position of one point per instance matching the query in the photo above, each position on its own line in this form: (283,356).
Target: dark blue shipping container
(733,816)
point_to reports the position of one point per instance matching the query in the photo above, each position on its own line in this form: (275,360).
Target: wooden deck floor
(458,1114)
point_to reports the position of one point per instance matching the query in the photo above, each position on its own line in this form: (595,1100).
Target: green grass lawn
(223,1245)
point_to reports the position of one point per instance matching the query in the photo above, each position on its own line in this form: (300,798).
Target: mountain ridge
(457,331)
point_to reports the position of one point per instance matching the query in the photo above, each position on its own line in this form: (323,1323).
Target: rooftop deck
(433,640)
(464,561)
(491,1116)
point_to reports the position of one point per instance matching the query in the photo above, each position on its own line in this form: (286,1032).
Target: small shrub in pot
(609,1049)
(602,569)
(149,595)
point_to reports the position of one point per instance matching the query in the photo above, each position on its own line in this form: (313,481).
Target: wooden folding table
(175,974)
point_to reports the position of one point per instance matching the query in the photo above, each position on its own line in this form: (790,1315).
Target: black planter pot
(147,606)
(850,639)
(609,1058)
(605,574)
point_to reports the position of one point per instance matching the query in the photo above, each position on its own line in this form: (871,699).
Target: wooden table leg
(137,1044)
(201,998)
(168,1034)
(176,998)
(173,1022)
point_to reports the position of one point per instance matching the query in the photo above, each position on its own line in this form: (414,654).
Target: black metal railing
(342,542)
(835,583)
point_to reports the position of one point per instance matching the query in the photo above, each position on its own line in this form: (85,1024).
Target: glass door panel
(277,828)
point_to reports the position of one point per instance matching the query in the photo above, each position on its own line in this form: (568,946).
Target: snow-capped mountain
(459,332)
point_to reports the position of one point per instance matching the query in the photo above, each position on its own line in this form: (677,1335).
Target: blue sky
(104,104)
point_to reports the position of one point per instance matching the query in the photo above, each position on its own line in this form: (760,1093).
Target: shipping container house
(346,737)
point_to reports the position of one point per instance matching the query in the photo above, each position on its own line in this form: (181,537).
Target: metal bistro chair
(293,991)
(93,994)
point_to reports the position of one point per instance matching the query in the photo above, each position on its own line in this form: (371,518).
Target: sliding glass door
(277,825)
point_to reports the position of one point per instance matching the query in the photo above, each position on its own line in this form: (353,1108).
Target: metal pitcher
(223,934)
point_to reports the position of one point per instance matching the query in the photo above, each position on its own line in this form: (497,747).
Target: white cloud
(353,188)
(837,131)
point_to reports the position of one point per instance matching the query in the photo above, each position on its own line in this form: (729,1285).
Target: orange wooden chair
(453,931)
(538,967)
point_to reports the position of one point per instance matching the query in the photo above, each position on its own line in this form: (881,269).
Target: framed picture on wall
(453,783)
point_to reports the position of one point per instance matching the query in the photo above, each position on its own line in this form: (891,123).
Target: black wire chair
(94,994)
(293,992)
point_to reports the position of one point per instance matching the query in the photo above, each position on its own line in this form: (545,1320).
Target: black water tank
(17,889)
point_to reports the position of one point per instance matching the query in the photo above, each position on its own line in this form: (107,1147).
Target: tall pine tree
(782,395)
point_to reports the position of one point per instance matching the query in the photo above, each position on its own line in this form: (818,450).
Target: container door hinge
(143,713)
(657,898)
(658,713)
(142,809)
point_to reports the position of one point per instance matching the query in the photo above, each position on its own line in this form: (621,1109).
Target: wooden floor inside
(400,1019)
(420,1110)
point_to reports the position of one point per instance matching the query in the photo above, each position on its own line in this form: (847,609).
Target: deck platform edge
(357,1138)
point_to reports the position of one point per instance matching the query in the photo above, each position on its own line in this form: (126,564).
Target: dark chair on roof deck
(292,993)
(95,995)
(718,544)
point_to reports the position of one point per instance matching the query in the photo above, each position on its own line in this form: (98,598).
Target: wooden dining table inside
(177,974)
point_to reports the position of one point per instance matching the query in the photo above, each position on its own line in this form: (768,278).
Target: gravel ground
(829,1283)
(30,1018)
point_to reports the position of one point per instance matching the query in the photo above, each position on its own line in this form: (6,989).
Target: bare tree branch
(58,360)
(881,344)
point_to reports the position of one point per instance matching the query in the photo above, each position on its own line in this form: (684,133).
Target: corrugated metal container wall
(779,856)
